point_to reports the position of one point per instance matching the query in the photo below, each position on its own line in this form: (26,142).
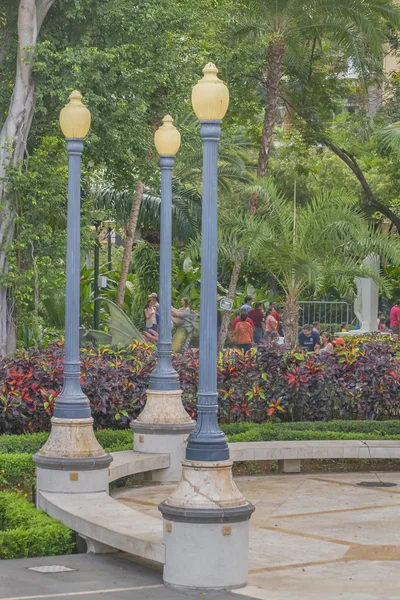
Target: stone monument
(366,302)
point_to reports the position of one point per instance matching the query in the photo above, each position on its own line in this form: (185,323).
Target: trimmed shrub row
(26,532)
(17,469)
(379,429)
(111,440)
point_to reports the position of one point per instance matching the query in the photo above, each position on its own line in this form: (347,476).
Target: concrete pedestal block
(206,529)
(72,460)
(206,555)
(163,439)
(163,428)
(71,481)
(287,466)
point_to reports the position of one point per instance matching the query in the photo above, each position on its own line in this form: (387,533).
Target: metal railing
(327,313)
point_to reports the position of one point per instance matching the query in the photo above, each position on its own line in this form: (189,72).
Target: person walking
(244,334)
(395,318)
(237,320)
(256,314)
(150,315)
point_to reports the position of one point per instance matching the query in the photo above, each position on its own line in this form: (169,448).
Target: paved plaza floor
(314,537)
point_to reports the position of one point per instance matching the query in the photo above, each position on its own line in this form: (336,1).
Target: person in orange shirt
(244,334)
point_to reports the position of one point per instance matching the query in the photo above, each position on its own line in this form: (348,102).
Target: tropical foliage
(360,380)
(306,106)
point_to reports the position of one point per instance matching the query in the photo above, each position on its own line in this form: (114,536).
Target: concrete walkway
(109,577)
(313,537)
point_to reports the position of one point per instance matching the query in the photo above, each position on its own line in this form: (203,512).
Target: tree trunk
(290,320)
(227,315)
(130,235)
(14,134)
(349,159)
(273,73)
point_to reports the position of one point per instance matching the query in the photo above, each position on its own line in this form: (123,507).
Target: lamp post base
(72,460)
(163,428)
(206,529)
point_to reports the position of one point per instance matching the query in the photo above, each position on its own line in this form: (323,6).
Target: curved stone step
(129,462)
(99,517)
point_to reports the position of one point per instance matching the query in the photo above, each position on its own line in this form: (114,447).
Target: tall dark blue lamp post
(167,140)
(210,100)
(72,460)
(74,122)
(206,518)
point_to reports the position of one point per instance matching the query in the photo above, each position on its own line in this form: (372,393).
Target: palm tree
(323,243)
(142,210)
(290,31)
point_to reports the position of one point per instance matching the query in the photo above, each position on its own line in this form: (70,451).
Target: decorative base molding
(206,529)
(71,438)
(164,408)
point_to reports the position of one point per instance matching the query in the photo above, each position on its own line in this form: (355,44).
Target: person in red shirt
(256,314)
(395,318)
(244,334)
(237,320)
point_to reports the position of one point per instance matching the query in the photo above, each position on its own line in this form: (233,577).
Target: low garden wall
(359,381)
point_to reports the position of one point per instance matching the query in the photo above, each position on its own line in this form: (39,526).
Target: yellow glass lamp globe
(167,138)
(75,117)
(210,96)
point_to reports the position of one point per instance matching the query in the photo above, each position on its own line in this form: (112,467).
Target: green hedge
(112,440)
(17,468)
(27,532)
(378,429)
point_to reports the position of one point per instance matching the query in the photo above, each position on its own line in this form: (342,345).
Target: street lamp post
(96,273)
(210,99)
(74,122)
(164,424)
(167,140)
(72,460)
(206,518)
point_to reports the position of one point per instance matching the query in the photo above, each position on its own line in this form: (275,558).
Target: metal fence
(327,313)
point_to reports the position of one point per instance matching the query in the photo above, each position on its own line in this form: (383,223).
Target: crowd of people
(151,315)
(254,327)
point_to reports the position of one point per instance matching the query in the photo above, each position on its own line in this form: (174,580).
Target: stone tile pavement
(313,537)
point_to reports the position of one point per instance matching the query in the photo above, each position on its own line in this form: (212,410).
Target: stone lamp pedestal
(206,529)
(163,428)
(72,460)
